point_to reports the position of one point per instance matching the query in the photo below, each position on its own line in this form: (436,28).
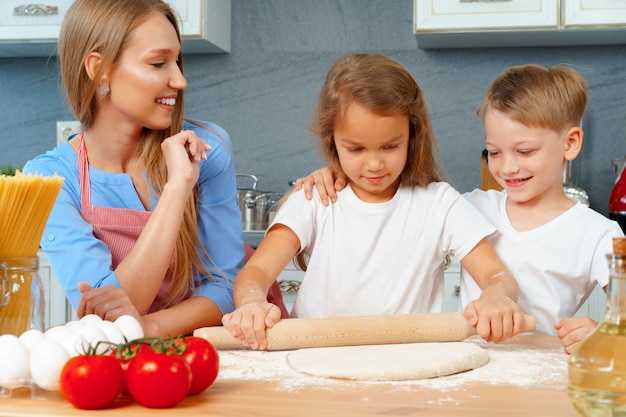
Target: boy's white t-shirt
(557,265)
(380,258)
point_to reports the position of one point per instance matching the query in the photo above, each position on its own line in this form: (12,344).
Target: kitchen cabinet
(57,309)
(33,29)
(518,23)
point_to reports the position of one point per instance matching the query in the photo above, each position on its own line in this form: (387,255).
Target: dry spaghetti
(25,204)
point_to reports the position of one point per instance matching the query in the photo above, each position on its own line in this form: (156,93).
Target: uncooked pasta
(25,204)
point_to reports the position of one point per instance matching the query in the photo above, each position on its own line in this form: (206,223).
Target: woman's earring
(104,90)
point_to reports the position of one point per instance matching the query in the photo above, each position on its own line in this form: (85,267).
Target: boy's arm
(254,313)
(327,180)
(495,314)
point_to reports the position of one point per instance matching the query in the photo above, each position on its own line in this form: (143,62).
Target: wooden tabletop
(247,396)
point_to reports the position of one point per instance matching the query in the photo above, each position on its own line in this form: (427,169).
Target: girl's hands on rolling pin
(248,323)
(182,152)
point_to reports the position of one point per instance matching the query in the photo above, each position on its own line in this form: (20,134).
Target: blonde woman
(147,222)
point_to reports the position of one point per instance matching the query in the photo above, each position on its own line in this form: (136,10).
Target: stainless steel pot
(255,205)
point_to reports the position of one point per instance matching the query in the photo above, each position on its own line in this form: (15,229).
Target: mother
(147,222)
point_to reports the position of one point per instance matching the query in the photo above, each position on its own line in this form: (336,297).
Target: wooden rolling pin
(290,334)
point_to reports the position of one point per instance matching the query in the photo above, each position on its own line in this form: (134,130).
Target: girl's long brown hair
(105,26)
(385,87)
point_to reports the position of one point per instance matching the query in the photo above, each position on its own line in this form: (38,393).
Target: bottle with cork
(597,368)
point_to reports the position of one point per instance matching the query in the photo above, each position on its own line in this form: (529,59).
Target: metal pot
(255,205)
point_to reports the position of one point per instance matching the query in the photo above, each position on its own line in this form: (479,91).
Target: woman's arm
(495,314)
(254,313)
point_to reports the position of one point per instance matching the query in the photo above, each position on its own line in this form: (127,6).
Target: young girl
(381,249)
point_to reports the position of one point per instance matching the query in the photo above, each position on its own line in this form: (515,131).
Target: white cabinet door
(26,29)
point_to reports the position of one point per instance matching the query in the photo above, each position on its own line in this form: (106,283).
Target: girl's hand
(182,153)
(248,323)
(573,330)
(496,317)
(328,182)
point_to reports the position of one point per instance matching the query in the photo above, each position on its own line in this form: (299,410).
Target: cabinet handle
(35,10)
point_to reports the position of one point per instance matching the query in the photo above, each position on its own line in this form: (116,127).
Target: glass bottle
(22,305)
(597,368)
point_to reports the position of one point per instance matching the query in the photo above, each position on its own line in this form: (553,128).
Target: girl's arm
(495,314)
(254,313)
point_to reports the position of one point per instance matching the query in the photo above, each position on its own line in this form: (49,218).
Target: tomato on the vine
(203,361)
(158,380)
(91,381)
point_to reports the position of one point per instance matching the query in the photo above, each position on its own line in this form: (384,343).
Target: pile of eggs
(36,358)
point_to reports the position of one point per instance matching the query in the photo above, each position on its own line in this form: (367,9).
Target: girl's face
(526,161)
(372,151)
(145,82)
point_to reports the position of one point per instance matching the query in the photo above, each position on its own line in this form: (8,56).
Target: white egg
(31,337)
(75,344)
(46,362)
(92,335)
(111,331)
(14,361)
(74,325)
(57,333)
(130,327)
(91,319)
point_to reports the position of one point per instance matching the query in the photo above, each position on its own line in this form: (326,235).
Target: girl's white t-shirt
(557,265)
(380,258)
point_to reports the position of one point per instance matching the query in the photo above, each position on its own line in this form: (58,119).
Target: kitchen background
(263,92)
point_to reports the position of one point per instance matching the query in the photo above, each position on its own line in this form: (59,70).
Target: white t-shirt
(557,265)
(384,258)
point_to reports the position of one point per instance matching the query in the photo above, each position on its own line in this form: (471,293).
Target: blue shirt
(76,255)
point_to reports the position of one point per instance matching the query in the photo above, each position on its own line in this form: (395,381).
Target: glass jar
(22,305)
(597,368)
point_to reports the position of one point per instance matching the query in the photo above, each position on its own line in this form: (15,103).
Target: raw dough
(398,362)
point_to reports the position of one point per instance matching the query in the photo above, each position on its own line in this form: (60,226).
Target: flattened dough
(399,362)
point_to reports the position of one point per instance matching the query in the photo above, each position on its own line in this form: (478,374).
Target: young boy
(554,247)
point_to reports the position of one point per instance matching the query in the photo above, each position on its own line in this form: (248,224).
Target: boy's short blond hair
(554,98)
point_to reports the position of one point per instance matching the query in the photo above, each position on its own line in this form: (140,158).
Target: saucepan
(255,205)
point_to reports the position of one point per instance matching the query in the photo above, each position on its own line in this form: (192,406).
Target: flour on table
(394,362)
(509,364)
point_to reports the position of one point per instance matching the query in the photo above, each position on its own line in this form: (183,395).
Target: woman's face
(372,151)
(145,82)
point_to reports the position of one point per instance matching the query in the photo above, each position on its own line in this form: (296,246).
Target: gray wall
(264,91)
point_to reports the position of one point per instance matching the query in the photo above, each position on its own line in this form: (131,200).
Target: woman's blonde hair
(385,87)
(105,26)
(553,98)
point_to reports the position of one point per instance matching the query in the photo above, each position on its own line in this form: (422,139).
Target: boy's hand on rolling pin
(248,323)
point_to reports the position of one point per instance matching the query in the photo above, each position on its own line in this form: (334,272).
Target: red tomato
(203,361)
(91,381)
(158,380)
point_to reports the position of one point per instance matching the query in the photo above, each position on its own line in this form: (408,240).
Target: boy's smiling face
(528,161)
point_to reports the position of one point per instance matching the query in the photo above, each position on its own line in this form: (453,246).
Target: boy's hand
(573,330)
(328,182)
(248,323)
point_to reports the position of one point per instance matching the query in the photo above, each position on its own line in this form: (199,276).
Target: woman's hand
(573,330)
(182,153)
(328,182)
(248,323)
(107,302)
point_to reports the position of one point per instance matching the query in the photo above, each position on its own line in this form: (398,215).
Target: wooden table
(245,397)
